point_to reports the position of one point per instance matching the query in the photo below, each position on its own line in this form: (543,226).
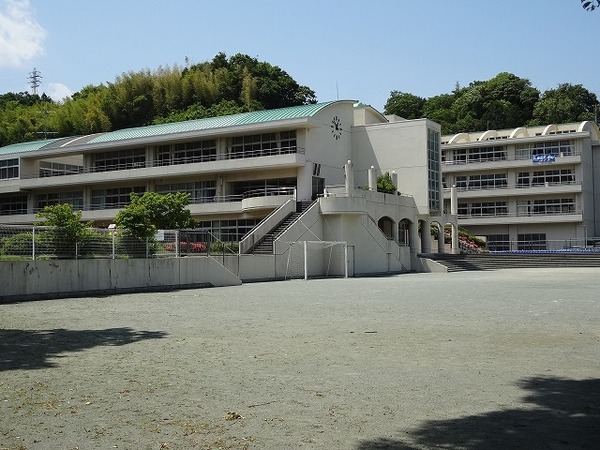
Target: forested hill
(505,101)
(229,85)
(224,85)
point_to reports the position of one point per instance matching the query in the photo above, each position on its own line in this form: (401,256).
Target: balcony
(509,161)
(228,162)
(567,187)
(520,218)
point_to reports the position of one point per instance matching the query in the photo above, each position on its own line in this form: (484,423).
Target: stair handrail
(266,225)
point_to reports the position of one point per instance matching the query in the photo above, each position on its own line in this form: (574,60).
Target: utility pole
(35,80)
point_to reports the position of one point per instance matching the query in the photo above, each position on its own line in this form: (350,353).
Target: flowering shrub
(187,247)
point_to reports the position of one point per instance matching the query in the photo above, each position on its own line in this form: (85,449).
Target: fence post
(33,244)
(147,249)
(177,244)
(112,233)
(76,250)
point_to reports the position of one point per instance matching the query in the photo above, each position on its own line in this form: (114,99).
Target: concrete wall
(33,280)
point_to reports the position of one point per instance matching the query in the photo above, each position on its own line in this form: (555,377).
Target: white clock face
(336,128)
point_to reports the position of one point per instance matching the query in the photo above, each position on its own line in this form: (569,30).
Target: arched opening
(437,231)
(386,225)
(404,232)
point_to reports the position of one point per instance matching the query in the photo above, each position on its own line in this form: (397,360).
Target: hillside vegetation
(168,94)
(229,85)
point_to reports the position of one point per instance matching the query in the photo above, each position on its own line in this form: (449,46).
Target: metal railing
(172,161)
(520,214)
(47,243)
(515,186)
(522,157)
(572,245)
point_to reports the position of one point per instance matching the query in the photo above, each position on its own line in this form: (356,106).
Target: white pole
(33,243)
(305,261)
(346,260)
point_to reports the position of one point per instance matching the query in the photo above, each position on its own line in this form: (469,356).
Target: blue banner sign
(543,158)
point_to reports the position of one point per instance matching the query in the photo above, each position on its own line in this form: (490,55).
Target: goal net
(317,259)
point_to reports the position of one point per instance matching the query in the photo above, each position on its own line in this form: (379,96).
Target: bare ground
(479,360)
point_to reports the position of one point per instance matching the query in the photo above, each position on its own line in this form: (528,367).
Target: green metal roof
(26,146)
(268,115)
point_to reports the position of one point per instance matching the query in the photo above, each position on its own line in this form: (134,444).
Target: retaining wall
(36,280)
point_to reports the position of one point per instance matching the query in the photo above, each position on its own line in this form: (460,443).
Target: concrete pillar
(441,238)
(395,179)
(426,237)
(220,191)
(349,173)
(454,214)
(413,232)
(372,179)
(453,201)
(455,249)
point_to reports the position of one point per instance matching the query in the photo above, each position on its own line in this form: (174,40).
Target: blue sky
(340,49)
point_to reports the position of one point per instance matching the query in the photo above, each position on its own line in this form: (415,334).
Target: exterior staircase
(265,245)
(491,261)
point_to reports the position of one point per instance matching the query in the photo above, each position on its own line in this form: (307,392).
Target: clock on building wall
(336,127)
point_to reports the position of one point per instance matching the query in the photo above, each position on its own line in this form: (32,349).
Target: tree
(567,103)
(67,228)
(153,211)
(408,106)
(385,184)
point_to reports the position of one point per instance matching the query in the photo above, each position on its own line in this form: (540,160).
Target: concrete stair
(265,245)
(490,261)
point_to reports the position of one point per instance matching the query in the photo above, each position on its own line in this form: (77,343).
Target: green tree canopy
(224,85)
(150,212)
(67,221)
(405,105)
(567,103)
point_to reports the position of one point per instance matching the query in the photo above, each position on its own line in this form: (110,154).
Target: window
(546,206)
(115,197)
(483,209)
(264,187)
(73,198)
(229,230)
(119,160)
(9,168)
(434,169)
(555,148)
(265,144)
(13,204)
(531,241)
(498,242)
(188,152)
(482,181)
(479,154)
(200,191)
(52,169)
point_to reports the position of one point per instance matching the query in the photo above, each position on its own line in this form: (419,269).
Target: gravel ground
(477,360)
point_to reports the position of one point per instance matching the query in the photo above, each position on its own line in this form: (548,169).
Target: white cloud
(58,92)
(21,36)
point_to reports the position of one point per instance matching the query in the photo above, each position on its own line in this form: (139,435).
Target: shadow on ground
(557,413)
(32,349)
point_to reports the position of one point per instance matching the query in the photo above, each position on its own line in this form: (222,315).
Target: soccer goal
(317,259)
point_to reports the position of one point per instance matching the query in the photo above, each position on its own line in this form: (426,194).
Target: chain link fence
(39,242)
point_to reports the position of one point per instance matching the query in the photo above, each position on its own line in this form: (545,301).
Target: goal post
(317,259)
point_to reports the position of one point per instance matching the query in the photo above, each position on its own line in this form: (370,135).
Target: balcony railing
(173,161)
(521,157)
(515,186)
(262,192)
(520,214)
